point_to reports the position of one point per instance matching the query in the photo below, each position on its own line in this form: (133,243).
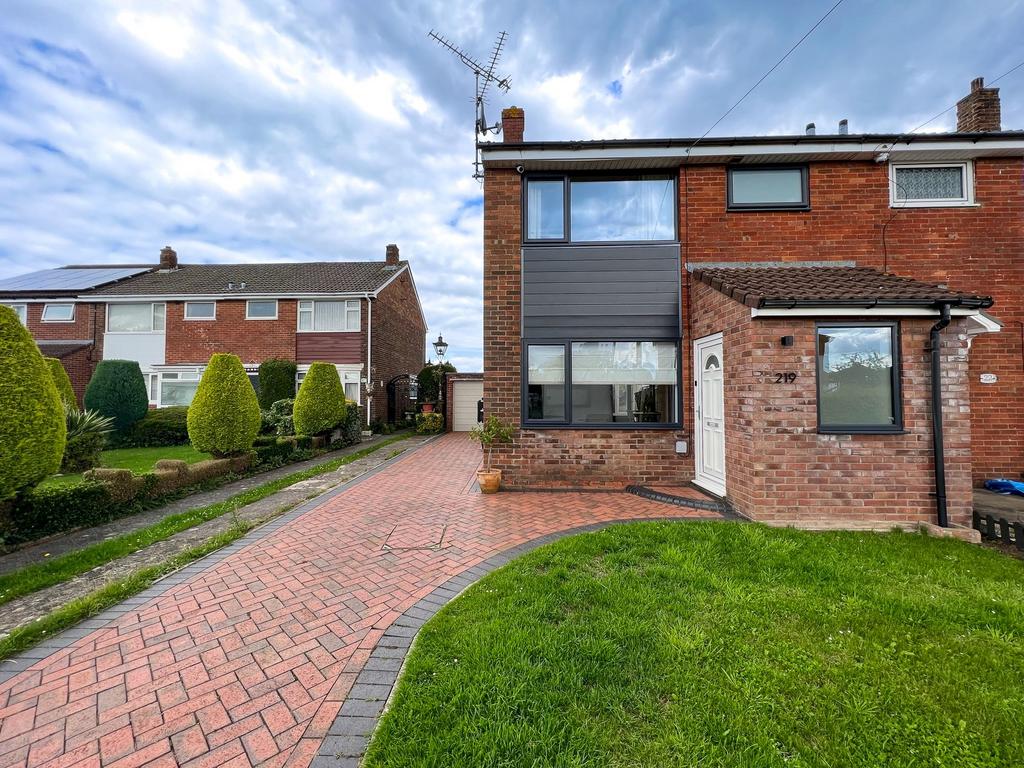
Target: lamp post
(440,347)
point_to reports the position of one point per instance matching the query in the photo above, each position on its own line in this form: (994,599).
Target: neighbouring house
(756,316)
(46,302)
(363,316)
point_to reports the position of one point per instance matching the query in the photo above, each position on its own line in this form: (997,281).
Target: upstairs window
(261,309)
(21,310)
(931,185)
(135,318)
(600,209)
(58,313)
(769,188)
(328,316)
(200,310)
(858,379)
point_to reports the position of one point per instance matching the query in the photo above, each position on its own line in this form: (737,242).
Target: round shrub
(224,417)
(277,382)
(62,381)
(32,426)
(320,404)
(159,427)
(118,390)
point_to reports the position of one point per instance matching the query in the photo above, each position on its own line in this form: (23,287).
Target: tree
(277,382)
(117,389)
(430,381)
(62,381)
(32,426)
(320,404)
(224,417)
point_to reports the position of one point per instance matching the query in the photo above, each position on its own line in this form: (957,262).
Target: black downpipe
(935,342)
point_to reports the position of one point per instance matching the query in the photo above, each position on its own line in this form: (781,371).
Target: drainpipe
(935,343)
(369,354)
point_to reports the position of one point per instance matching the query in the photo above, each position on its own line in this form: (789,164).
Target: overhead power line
(764,77)
(953,105)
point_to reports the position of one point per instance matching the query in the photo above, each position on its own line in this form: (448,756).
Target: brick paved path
(249,660)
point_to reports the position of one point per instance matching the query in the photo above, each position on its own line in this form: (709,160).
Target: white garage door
(465,396)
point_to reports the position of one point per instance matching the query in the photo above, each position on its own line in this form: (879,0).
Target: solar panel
(64,279)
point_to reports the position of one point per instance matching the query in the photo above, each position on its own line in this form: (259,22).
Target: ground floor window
(178,387)
(610,383)
(858,378)
(351,379)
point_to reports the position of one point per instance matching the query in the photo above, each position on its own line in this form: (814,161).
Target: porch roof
(828,286)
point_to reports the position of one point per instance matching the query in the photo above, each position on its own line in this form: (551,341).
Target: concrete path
(259,653)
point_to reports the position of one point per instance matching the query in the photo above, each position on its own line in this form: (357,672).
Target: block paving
(282,650)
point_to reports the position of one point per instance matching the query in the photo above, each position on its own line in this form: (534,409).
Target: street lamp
(440,347)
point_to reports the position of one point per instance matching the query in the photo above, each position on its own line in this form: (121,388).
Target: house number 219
(785,378)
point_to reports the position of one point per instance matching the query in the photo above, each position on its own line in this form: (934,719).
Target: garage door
(465,396)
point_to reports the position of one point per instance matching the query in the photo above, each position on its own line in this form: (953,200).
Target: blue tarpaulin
(1005,487)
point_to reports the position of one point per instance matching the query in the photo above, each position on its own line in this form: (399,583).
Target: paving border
(349,735)
(21,662)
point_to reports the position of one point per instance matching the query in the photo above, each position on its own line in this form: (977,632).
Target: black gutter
(938,449)
(967,302)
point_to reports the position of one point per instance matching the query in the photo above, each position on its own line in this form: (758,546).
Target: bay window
(858,378)
(610,383)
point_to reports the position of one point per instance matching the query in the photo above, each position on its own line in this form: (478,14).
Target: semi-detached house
(364,316)
(776,319)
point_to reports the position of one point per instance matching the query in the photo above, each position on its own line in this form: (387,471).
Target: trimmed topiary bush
(62,382)
(160,426)
(117,389)
(224,417)
(430,380)
(277,382)
(32,426)
(320,405)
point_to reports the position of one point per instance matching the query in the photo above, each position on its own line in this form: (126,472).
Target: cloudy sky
(251,130)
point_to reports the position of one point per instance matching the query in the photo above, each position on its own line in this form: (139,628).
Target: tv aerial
(484,77)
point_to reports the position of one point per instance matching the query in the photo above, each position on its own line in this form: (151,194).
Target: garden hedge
(32,426)
(320,405)
(277,381)
(430,379)
(159,427)
(62,382)
(117,389)
(224,417)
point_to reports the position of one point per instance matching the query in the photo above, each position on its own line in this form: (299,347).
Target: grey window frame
(567,179)
(805,180)
(567,422)
(897,427)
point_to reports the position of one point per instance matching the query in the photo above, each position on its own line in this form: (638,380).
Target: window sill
(540,425)
(768,209)
(861,431)
(300,331)
(935,204)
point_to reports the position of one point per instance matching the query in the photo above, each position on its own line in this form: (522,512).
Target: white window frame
(349,373)
(206,318)
(21,310)
(190,374)
(248,302)
(967,174)
(152,315)
(308,306)
(49,304)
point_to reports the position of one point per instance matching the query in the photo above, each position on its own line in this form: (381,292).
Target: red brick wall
(80,366)
(194,341)
(399,337)
(973,249)
(780,470)
(89,324)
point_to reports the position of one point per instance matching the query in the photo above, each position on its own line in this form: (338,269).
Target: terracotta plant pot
(489,480)
(428,407)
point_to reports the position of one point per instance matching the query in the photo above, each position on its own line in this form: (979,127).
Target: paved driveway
(248,657)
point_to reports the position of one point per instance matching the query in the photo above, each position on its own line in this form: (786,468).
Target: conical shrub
(62,381)
(320,404)
(32,427)
(224,417)
(118,390)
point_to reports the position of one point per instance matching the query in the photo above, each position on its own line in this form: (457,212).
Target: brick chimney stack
(513,122)
(391,254)
(168,258)
(978,111)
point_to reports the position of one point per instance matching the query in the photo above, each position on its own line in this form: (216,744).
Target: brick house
(365,317)
(754,315)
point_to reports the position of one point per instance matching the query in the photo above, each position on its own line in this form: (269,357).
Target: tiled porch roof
(820,286)
(61,348)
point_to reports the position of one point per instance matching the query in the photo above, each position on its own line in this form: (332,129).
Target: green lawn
(138,460)
(722,644)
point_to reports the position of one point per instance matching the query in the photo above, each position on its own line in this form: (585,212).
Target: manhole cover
(415,536)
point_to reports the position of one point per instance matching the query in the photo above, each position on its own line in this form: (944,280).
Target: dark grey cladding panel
(607,292)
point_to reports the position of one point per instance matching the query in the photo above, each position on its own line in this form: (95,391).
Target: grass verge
(41,575)
(138,460)
(721,644)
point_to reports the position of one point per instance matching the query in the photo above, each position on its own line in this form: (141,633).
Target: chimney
(513,123)
(168,258)
(809,130)
(391,254)
(978,111)
(844,127)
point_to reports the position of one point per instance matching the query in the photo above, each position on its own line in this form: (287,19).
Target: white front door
(709,414)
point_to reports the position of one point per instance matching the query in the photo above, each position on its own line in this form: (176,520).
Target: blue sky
(269,131)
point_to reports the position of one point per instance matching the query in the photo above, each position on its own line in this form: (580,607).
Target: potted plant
(492,431)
